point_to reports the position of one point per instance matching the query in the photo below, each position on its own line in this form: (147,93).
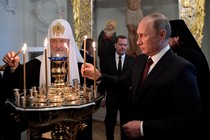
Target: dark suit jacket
(197,58)
(110,64)
(117,99)
(168,101)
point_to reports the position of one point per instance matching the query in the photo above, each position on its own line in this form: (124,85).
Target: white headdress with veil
(74,53)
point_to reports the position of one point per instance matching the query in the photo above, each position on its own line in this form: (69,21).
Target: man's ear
(162,34)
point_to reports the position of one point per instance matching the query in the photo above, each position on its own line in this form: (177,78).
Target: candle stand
(61,110)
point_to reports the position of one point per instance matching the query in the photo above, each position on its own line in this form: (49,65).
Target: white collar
(157,56)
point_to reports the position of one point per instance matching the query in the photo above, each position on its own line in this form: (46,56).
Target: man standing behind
(116,64)
(133,15)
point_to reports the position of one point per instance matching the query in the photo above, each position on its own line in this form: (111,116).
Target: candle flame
(94,44)
(45,42)
(24,47)
(57,55)
(85,37)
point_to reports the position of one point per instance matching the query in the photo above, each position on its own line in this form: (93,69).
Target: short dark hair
(121,37)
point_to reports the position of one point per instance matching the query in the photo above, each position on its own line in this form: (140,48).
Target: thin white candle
(94,61)
(68,62)
(46,75)
(24,69)
(85,37)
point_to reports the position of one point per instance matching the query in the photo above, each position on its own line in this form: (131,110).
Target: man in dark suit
(184,44)
(113,67)
(166,104)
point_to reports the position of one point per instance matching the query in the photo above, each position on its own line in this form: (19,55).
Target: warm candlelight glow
(24,47)
(24,69)
(68,62)
(46,75)
(94,60)
(45,42)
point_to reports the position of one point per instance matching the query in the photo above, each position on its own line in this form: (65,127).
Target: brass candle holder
(62,110)
(59,70)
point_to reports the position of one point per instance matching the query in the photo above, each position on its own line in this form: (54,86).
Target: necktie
(146,69)
(119,65)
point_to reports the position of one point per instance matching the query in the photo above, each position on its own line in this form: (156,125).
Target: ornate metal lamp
(61,110)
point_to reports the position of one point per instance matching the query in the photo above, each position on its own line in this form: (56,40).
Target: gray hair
(161,22)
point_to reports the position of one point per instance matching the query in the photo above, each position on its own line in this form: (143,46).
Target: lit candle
(3,67)
(18,52)
(68,62)
(94,61)
(46,75)
(24,69)
(85,37)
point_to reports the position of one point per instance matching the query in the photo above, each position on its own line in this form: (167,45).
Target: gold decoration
(58,29)
(193,13)
(83,19)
